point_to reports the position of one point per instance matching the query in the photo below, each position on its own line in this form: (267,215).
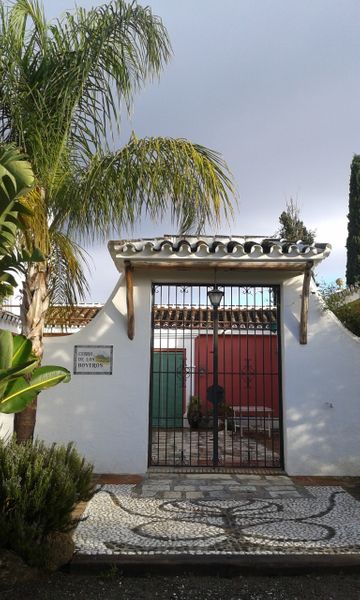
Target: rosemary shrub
(40,486)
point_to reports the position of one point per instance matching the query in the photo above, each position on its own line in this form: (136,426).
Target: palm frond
(22,46)
(123,44)
(35,222)
(20,12)
(16,178)
(106,55)
(151,176)
(63,83)
(67,281)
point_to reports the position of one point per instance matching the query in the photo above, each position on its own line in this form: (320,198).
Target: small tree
(353,239)
(292,228)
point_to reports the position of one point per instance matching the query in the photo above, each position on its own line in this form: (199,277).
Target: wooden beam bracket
(130,299)
(304,314)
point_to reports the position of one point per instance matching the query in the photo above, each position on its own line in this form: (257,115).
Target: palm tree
(63,87)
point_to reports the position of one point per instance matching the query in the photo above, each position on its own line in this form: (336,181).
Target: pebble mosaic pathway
(270,515)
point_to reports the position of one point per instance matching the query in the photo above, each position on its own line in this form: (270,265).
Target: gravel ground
(111,586)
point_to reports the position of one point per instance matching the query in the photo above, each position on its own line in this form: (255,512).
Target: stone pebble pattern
(137,521)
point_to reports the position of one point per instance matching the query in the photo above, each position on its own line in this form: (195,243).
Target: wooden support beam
(305,303)
(130,299)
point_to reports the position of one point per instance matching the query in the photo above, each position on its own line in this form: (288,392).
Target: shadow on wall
(322,433)
(321,393)
(95,422)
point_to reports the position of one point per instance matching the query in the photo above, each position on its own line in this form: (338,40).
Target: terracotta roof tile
(166,317)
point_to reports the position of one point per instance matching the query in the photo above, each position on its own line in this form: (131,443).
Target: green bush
(337,300)
(39,488)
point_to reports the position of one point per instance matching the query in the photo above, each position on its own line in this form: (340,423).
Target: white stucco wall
(107,416)
(321,390)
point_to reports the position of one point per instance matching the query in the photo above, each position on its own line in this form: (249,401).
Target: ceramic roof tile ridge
(206,248)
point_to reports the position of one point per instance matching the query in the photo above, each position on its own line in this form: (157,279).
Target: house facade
(273,377)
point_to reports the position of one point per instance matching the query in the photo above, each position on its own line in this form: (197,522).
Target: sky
(274,86)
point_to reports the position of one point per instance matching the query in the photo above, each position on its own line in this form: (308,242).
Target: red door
(248,370)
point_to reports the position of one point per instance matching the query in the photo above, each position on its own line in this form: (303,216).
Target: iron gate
(215,386)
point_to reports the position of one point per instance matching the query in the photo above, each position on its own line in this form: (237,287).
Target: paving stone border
(221,486)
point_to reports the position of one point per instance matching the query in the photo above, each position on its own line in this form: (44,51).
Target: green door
(167,389)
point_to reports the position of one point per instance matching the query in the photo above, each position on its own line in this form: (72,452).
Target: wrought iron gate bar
(246,432)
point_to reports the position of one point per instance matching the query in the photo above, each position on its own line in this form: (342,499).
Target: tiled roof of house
(217,249)
(59,319)
(66,319)
(71,316)
(166,317)
(9,317)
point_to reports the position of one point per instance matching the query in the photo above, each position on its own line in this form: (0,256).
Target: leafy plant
(224,410)
(20,377)
(339,302)
(194,413)
(39,489)
(16,179)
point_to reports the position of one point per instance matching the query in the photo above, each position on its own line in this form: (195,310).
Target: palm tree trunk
(34,305)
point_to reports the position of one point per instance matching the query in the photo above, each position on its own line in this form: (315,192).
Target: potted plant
(224,411)
(194,413)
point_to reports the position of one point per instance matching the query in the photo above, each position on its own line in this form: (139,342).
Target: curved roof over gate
(220,251)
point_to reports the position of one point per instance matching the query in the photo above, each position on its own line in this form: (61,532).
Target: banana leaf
(7,375)
(6,349)
(22,350)
(20,393)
